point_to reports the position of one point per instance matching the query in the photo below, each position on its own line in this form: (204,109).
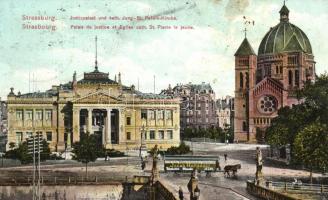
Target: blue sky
(204,54)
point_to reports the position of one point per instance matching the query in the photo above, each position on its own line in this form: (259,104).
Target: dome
(285,37)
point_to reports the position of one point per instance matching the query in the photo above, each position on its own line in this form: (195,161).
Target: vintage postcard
(163,99)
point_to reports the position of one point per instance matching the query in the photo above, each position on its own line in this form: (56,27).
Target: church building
(268,81)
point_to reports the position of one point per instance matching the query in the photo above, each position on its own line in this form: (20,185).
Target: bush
(114,153)
(181,149)
(21,153)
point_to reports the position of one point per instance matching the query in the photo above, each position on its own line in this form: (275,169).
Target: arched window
(241,80)
(290,77)
(244,126)
(247,80)
(297,77)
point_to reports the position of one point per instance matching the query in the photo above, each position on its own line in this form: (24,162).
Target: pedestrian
(180,193)
(225,157)
(143,165)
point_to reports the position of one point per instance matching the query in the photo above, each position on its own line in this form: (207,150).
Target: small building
(224,112)
(197,107)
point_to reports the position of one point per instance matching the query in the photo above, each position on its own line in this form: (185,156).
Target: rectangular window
(29,134)
(143,114)
(29,115)
(19,114)
(128,135)
(160,114)
(161,135)
(244,126)
(145,135)
(38,114)
(19,137)
(152,134)
(169,134)
(297,77)
(151,114)
(169,114)
(128,121)
(48,115)
(49,136)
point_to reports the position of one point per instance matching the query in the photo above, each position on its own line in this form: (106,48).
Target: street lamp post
(143,147)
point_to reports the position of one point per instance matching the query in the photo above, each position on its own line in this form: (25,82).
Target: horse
(232,168)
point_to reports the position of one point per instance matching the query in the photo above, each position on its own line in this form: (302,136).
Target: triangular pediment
(270,85)
(98,97)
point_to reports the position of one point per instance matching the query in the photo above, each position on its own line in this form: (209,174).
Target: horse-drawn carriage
(231,168)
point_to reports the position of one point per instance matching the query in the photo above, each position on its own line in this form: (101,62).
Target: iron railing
(63,180)
(298,187)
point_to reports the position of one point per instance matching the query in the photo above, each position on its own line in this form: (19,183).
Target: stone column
(43,117)
(108,127)
(120,125)
(89,125)
(59,123)
(76,124)
(68,141)
(23,117)
(33,117)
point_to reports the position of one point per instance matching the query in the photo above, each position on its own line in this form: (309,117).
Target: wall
(62,192)
(266,193)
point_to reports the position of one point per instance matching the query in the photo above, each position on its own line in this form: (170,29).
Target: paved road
(214,187)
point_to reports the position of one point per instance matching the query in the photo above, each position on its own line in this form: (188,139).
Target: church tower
(245,68)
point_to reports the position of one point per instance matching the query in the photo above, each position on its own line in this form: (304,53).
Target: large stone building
(3,125)
(198,107)
(3,117)
(99,105)
(268,81)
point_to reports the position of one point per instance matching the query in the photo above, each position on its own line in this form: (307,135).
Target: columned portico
(105,121)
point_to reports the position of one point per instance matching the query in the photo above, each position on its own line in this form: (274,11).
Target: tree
(86,150)
(181,149)
(187,133)
(310,146)
(21,152)
(293,124)
(227,133)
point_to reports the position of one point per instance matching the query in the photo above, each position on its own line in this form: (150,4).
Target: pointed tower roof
(245,49)
(284,14)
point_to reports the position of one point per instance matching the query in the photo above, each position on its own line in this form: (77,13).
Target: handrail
(299,187)
(63,180)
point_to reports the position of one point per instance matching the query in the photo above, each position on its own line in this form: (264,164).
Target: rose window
(267,104)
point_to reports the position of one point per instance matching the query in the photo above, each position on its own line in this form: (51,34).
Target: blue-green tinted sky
(173,56)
